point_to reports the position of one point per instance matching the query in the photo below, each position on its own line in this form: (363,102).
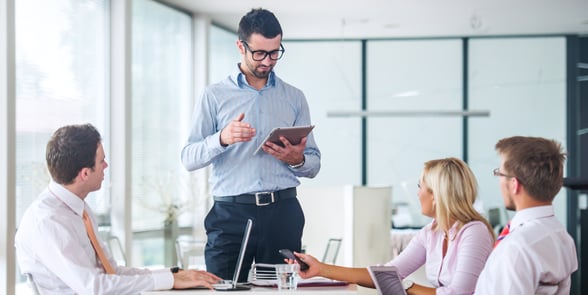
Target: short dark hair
(70,149)
(260,21)
(538,163)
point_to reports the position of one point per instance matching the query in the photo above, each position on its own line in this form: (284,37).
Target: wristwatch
(295,166)
(406,284)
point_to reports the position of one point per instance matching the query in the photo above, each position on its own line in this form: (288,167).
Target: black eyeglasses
(259,55)
(496,172)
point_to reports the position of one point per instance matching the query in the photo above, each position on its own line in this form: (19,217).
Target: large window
(161,106)
(61,79)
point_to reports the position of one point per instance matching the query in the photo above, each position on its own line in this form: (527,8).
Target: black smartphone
(288,254)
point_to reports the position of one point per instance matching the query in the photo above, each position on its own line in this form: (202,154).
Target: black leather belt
(261,198)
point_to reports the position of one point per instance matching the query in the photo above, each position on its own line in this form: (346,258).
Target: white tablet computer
(387,280)
(293,134)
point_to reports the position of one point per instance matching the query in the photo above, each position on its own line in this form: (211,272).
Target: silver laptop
(387,280)
(232,285)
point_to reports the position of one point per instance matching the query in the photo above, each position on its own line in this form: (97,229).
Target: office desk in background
(337,290)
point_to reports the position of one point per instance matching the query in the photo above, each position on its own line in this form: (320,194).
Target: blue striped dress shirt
(235,170)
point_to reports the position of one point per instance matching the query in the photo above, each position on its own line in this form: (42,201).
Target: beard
(255,70)
(509,204)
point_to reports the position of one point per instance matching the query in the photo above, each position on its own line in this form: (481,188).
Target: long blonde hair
(455,190)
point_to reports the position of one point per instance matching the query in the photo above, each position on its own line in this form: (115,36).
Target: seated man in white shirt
(56,241)
(534,254)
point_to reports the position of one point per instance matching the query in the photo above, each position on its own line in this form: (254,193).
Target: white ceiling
(352,19)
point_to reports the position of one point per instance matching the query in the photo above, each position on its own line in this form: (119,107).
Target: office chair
(332,251)
(32,284)
(115,247)
(494,219)
(190,253)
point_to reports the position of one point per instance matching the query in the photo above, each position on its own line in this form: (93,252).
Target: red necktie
(503,234)
(109,269)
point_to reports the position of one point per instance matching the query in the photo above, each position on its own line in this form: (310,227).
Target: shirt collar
(451,233)
(525,215)
(239,78)
(70,199)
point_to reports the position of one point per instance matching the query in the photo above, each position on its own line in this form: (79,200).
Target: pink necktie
(503,234)
(109,269)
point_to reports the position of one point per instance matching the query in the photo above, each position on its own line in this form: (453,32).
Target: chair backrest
(332,251)
(494,216)
(115,247)
(190,253)
(32,284)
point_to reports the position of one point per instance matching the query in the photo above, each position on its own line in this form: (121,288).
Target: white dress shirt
(538,256)
(52,245)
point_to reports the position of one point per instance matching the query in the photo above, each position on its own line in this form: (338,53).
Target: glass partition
(411,76)
(522,82)
(329,74)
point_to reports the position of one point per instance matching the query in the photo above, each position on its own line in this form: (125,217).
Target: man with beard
(230,120)
(534,254)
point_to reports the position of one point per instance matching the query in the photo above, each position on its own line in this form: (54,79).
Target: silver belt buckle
(257,195)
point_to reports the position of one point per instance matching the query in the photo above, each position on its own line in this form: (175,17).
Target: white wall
(361,216)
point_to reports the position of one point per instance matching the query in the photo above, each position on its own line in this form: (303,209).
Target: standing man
(230,120)
(57,239)
(534,254)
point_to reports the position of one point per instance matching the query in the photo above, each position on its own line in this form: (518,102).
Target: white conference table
(350,289)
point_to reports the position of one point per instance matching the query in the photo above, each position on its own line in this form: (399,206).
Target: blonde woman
(453,247)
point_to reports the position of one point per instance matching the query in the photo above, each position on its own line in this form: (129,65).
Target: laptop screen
(232,285)
(387,280)
(244,243)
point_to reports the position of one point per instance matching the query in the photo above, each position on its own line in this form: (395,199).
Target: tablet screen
(293,134)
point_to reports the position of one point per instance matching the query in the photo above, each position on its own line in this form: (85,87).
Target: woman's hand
(314,266)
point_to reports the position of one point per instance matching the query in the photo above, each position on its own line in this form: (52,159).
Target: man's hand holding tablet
(293,134)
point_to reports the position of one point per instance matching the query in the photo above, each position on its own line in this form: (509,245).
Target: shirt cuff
(163,279)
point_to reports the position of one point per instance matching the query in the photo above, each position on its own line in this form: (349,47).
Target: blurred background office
(391,84)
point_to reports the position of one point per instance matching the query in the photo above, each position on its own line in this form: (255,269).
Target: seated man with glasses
(230,121)
(534,254)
